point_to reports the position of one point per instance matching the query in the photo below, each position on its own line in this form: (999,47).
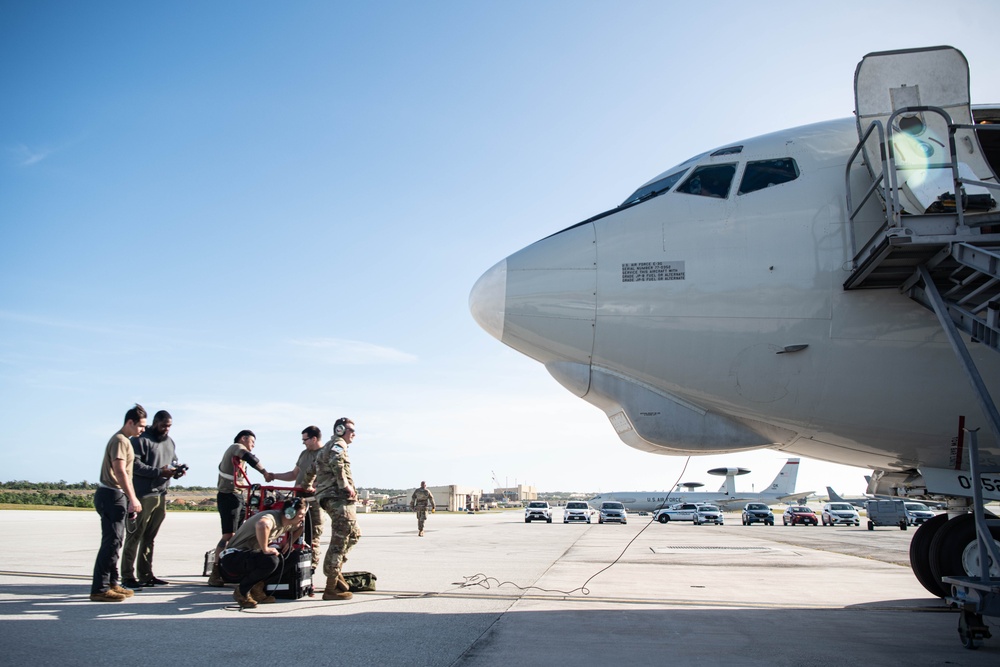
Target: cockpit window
(766,173)
(655,188)
(730,150)
(710,181)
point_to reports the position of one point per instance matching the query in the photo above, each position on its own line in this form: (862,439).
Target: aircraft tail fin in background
(834,498)
(784,483)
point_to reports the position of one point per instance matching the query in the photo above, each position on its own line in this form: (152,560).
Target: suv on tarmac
(538,510)
(840,513)
(611,512)
(757,513)
(577,511)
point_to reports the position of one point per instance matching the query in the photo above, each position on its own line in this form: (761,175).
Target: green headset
(292,508)
(340,426)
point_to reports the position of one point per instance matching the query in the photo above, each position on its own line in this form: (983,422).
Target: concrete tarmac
(488,590)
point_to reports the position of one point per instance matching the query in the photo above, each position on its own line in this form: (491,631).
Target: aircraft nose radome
(488,297)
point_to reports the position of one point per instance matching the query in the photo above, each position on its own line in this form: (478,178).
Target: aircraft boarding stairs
(936,234)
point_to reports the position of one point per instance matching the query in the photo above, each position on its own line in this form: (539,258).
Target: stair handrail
(896,209)
(852,211)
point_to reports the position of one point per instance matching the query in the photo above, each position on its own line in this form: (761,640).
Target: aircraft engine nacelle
(654,421)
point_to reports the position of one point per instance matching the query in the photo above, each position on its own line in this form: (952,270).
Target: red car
(799,514)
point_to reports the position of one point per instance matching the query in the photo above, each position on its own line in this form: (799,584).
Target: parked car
(835,514)
(577,511)
(796,514)
(612,511)
(917,513)
(538,510)
(757,513)
(678,512)
(708,514)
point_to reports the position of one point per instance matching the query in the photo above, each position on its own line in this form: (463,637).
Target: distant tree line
(61,485)
(46,498)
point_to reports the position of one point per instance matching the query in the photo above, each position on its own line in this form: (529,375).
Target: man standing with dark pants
(155,458)
(250,556)
(114,500)
(230,503)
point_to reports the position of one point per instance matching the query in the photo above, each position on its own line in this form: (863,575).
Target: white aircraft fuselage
(737,301)
(781,489)
(704,324)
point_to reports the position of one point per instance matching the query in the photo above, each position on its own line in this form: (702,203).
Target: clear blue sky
(267,215)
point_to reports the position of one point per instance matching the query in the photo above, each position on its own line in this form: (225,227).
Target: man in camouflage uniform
(419,501)
(336,494)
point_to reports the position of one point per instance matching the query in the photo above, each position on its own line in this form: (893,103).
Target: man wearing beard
(155,465)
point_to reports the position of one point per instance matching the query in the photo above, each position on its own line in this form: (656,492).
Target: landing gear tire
(953,550)
(920,547)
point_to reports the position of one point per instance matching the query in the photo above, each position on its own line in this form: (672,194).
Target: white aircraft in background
(782,489)
(808,290)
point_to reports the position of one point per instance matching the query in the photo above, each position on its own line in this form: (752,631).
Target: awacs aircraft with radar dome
(831,291)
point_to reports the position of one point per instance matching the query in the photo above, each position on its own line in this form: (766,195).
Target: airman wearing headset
(337,495)
(250,556)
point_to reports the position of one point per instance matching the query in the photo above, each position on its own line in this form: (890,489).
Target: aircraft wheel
(953,550)
(920,546)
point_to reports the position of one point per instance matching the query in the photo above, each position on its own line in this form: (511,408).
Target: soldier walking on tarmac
(336,494)
(419,501)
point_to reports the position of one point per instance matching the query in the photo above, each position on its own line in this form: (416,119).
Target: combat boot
(244,601)
(342,584)
(420,533)
(215,579)
(333,590)
(259,594)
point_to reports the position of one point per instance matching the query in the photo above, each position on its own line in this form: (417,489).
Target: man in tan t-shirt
(304,476)
(114,500)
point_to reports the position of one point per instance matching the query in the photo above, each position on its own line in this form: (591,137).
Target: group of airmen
(139,464)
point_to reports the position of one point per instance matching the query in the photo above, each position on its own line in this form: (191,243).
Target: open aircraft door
(900,91)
